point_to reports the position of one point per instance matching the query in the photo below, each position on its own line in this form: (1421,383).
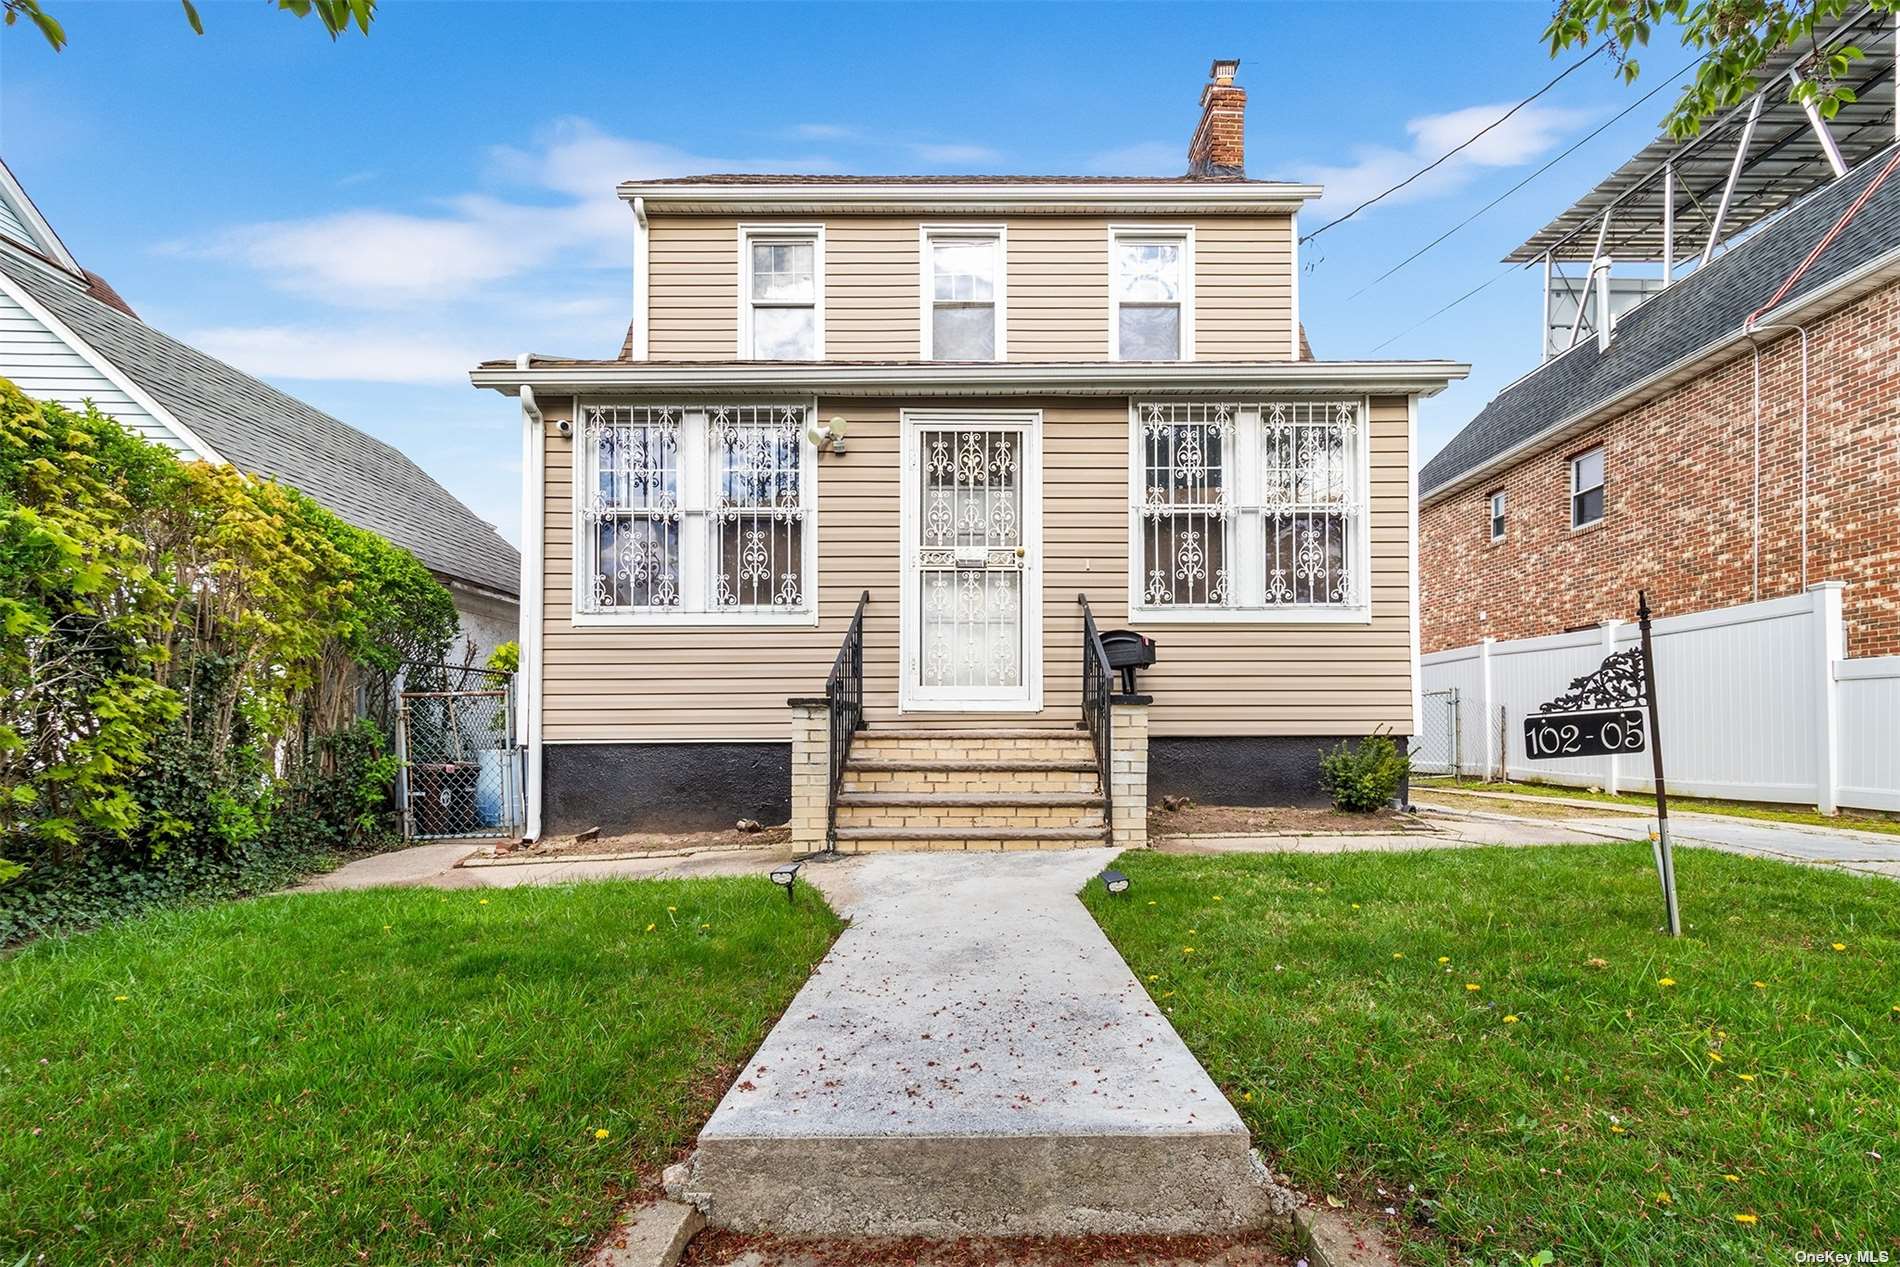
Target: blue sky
(361,222)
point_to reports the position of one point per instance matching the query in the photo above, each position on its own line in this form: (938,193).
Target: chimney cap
(1223,70)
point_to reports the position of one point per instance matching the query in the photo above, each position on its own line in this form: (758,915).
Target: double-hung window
(695,514)
(1250,509)
(1151,295)
(782,293)
(1586,488)
(1497,515)
(963,287)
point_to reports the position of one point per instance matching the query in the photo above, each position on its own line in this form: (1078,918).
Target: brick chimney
(1219,144)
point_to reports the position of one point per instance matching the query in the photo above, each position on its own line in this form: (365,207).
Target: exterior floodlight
(784,876)
(1114,882)
(827,435)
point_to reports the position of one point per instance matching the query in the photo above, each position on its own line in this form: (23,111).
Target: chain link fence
(1435,748)
(455,737)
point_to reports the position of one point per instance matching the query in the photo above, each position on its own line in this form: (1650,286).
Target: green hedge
(184,650)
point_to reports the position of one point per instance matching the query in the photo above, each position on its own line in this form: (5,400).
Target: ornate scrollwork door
(971,540)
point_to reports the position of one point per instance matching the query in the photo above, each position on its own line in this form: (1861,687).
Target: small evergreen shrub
(1364,776)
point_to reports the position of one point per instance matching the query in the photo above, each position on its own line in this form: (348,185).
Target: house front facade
(879,450)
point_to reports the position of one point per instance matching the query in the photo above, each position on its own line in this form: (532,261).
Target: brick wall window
(1497,515)
(1586,488)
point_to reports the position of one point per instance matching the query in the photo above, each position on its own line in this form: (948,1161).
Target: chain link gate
(460,772)
(1436,748)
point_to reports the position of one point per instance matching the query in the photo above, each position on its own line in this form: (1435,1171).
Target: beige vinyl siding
(1057,271)
(1258,678)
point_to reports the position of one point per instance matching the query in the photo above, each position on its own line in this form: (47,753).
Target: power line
(1447,308)
(1581,142)
(1462,145)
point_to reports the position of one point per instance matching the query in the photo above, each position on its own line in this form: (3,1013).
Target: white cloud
(825,132)
(372,355)
(954,153)
(1526,135)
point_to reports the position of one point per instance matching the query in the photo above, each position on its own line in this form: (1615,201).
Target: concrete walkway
(436,866)
(1872,853)
(974,1058)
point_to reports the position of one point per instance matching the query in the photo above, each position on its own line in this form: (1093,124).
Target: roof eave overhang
(1424,378)
(1124,198)
(1831,298)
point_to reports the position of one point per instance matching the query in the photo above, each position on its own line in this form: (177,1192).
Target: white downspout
(533,515)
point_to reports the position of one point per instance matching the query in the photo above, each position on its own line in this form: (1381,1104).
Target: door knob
(1019,552)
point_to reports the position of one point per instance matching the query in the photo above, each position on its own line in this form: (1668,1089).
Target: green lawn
(1502,1041)
(1858,820)
(393,1076)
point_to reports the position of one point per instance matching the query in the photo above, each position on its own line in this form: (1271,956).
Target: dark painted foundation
(620,787)
(1242,770)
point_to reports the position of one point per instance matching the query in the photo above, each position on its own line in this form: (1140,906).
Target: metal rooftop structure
(1677,203)
(1744,166)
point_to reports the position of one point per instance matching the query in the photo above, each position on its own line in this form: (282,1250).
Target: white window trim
(926,282)
(1185,234)
(1247,485)
(1604,484)
(748,233)
(696,474)
(1494,514)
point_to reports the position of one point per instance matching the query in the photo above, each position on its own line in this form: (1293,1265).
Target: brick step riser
(963,782)
(1002,844)
(952,748)
(1001,816)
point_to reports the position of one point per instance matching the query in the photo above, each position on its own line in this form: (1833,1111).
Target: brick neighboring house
(1630,461)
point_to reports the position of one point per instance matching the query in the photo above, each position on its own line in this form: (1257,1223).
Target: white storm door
(972,609)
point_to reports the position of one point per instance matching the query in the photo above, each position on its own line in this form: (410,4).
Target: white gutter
(1094,379)
(910,195)
(1838,293)
(533,514)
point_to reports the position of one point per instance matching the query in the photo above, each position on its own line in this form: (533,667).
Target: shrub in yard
(183,650)
(1363,776)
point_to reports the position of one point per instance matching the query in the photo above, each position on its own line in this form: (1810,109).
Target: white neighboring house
(67,336)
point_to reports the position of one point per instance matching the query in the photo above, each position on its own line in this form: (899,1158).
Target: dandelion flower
(120,998)
(1154,976)
(1246,1095)
(1510,1020)
(1733,1178)
(1747,1220)
(1662,1198)
(1746,1077)
(484,902)
(1398,954)
(1616,1128)
(1840,945)
(1355,906)
(1666,981)
(1187,950)
(1761,985)
(1217,897)
(601,1133)
(671,909)
(650,927)
(1716,1056)
(1444,958)
(1472,985)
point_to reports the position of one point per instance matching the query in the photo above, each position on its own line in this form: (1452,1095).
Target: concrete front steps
(997,789)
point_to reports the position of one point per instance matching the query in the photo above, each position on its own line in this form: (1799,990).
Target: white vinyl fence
(1756,702)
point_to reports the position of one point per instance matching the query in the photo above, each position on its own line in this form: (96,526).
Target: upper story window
(782,293)
(1247,508)
(1586,488)
(963,287)
(689,514)
(1497,515)
(1151,295)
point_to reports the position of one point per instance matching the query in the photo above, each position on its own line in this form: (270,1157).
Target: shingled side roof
(1672,326)
(259,429)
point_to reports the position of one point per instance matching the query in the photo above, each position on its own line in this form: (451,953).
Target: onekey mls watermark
(1843,1257)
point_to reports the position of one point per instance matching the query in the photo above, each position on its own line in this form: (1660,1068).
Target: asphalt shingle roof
(259,429)
(1694,313)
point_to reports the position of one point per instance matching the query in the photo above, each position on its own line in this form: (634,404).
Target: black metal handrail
(844,692)
(1098,686)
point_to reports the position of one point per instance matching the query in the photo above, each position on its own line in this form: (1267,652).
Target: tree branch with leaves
(1736,37)
(337,16)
